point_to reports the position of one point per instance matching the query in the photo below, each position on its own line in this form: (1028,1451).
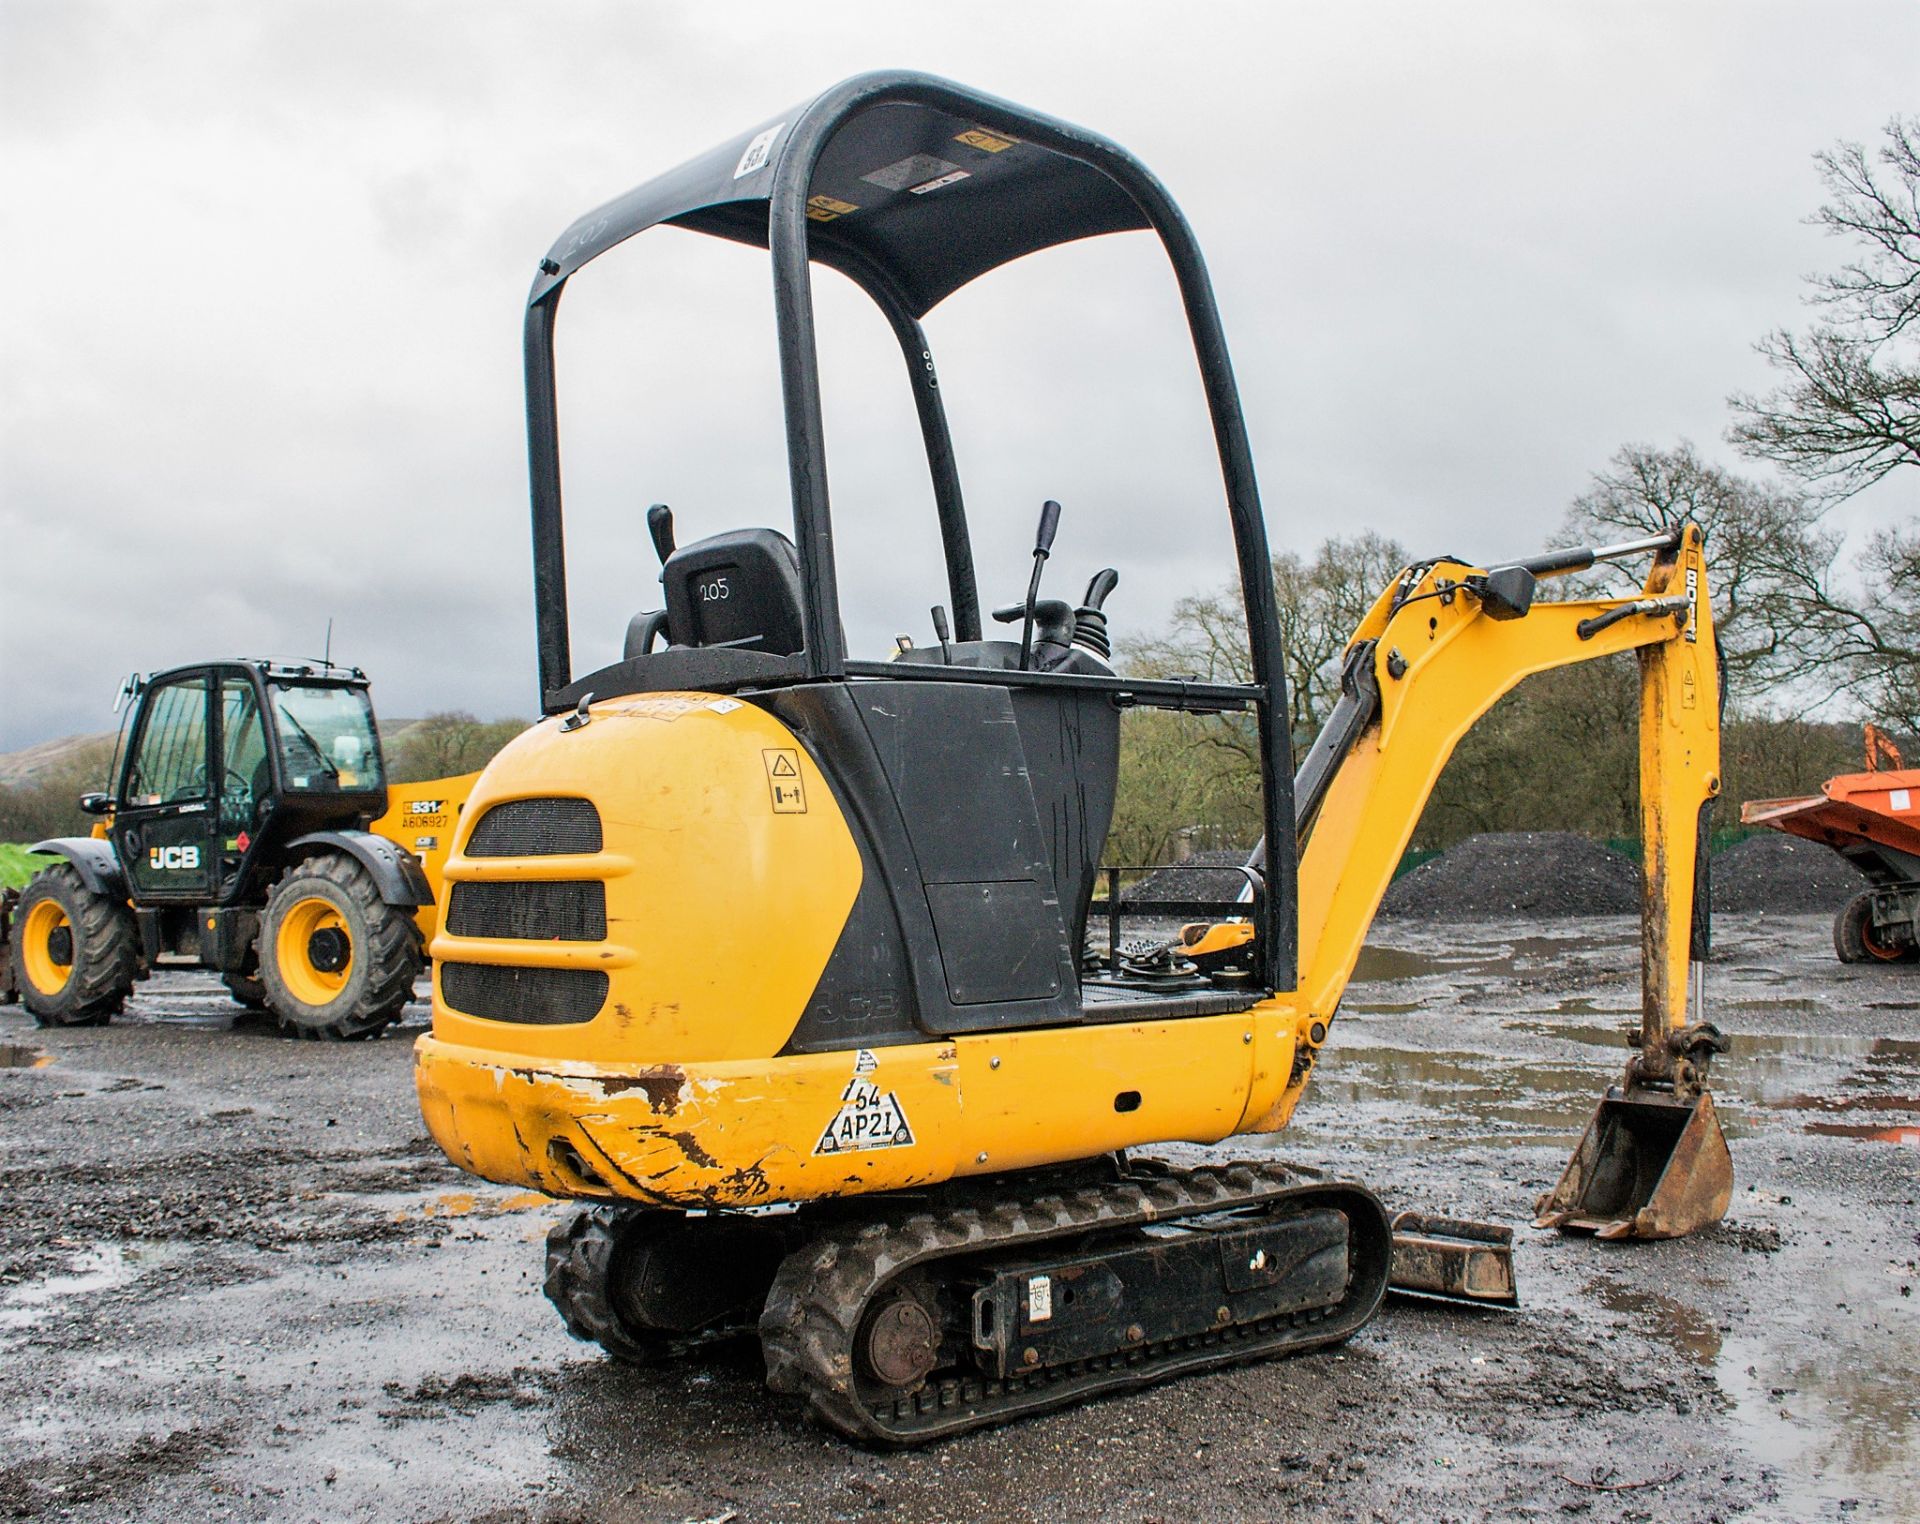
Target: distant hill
(35,764)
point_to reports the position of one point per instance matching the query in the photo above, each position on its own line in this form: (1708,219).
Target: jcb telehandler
(238,836)
(775,955)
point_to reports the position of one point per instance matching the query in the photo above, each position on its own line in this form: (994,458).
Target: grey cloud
(266,268)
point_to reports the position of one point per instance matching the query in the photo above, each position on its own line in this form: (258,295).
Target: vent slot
(535,912)
(537,828)
(531,996)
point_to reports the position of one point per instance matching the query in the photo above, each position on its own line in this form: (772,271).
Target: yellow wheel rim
(41,946)
(314,950)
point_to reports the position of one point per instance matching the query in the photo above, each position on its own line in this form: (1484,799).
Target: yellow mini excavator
(775,958)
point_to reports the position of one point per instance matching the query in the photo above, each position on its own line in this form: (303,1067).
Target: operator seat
(741,588)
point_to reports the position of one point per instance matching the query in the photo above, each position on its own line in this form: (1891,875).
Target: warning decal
(986,142)
(826,208)
(783,780)
(868,1118)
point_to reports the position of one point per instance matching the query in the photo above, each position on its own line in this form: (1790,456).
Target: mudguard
(94,859)
(396,871)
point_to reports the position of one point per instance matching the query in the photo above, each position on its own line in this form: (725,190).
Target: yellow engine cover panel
(729,873)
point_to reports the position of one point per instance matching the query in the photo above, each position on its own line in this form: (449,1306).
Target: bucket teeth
(1648,1166)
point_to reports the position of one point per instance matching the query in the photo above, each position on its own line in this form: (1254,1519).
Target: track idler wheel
(646,1285)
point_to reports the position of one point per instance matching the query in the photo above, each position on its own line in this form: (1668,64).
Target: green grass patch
(17,865)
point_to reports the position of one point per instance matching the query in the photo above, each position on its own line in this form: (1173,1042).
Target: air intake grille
(537,828)
(540,996)
(536,912)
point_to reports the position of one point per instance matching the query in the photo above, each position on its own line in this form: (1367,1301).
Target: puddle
(14,1055)
(1687,1328)
(1388,963)
(1504,959)
(1823,1399)
(1829,1406)
(95,1269)
(1405,1093)
(1910,1136)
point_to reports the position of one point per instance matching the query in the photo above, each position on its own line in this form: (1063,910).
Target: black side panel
(1072,745)
(958,772)
(886,981)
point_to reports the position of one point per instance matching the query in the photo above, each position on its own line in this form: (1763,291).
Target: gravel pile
(1517,873)
(1784,874)
(1203,876)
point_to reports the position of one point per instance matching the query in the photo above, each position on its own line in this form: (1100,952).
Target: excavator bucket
(1647,1167)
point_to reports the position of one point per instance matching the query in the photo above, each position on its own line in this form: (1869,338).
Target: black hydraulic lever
(1042,548)
(660,526)
(1089,622)
(942,632)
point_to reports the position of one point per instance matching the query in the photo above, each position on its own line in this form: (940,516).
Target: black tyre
(75,953)
(1856,940)
(583,1253)
(336,961)
(247,989)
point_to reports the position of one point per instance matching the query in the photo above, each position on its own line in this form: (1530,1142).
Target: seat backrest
(741,588)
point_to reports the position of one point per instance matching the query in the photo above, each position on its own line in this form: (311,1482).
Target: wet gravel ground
(237,1283)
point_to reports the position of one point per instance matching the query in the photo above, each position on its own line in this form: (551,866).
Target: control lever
(942,633)
(1042,548)
(1089,622)
(660,526)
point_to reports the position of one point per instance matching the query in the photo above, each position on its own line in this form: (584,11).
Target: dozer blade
(1451,1260)
(1648,1166)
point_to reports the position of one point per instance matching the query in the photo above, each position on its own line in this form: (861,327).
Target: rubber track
(106,953)
(580,1250)
(823,1290)
(393,950)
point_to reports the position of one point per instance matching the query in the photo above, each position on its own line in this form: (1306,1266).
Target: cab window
(171,763)
(326,738)
(246,776)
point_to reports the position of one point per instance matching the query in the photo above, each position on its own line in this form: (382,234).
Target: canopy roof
(913,187)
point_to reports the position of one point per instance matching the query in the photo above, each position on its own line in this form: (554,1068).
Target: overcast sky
(266,267)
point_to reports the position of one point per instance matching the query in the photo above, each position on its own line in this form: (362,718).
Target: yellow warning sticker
(986,142)
(789,794)
(826,208)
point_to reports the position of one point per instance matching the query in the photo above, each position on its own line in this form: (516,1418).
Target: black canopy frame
(872,178)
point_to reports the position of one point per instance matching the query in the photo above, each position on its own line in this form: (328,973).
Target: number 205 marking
(715,591)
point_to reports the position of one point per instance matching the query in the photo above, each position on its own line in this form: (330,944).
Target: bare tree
(1866,630)
(1755,533)
(1321,600)
(1848,411)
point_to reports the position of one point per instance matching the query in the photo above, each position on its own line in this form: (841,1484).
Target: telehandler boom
(776,957)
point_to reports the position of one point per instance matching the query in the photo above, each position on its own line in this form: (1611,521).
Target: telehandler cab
(238,836)
(776,956)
